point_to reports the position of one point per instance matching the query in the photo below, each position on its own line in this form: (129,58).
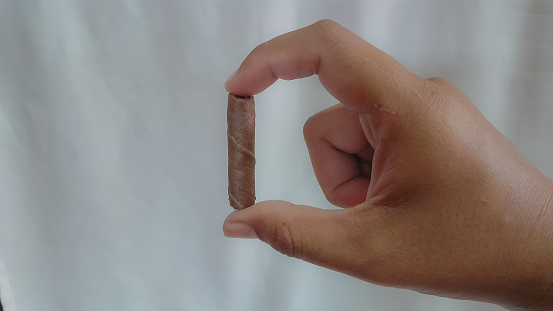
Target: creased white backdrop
(113,142)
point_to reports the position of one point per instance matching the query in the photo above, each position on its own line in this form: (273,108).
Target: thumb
(322,237)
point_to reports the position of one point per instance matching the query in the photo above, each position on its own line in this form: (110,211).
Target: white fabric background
(113,142)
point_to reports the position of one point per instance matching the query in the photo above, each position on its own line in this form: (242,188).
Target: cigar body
(241,151)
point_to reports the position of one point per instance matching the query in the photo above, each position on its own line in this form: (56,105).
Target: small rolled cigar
(241,151)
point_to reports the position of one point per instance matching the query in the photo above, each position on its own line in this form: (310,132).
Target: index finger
(356,73)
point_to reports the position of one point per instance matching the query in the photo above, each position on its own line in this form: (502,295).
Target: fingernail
(230,79)
(239,230)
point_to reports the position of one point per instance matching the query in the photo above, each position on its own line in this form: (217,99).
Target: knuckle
(446,87)
(286,241)
(435,93)
(258,50)
(324,24)
(327,28)
(309,128)
(315,128)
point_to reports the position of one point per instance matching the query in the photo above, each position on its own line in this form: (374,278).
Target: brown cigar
(241,155)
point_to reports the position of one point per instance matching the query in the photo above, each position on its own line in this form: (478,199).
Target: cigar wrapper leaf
(241,151)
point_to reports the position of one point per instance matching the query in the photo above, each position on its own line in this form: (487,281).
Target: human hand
(438,200)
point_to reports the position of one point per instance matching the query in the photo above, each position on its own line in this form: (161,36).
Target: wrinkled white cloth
(113,157)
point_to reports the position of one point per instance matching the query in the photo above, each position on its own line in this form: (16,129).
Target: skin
(436,199)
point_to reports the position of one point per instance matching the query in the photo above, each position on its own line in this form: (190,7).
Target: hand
(438,200)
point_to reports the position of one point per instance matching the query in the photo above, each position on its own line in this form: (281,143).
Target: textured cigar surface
(241,151)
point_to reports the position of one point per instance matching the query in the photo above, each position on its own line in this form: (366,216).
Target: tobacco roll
(241,151)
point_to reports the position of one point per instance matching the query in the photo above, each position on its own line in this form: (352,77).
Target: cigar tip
(241,96)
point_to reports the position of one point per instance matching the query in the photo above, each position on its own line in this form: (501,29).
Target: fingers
(322,237)
(340,154)
(353,71)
